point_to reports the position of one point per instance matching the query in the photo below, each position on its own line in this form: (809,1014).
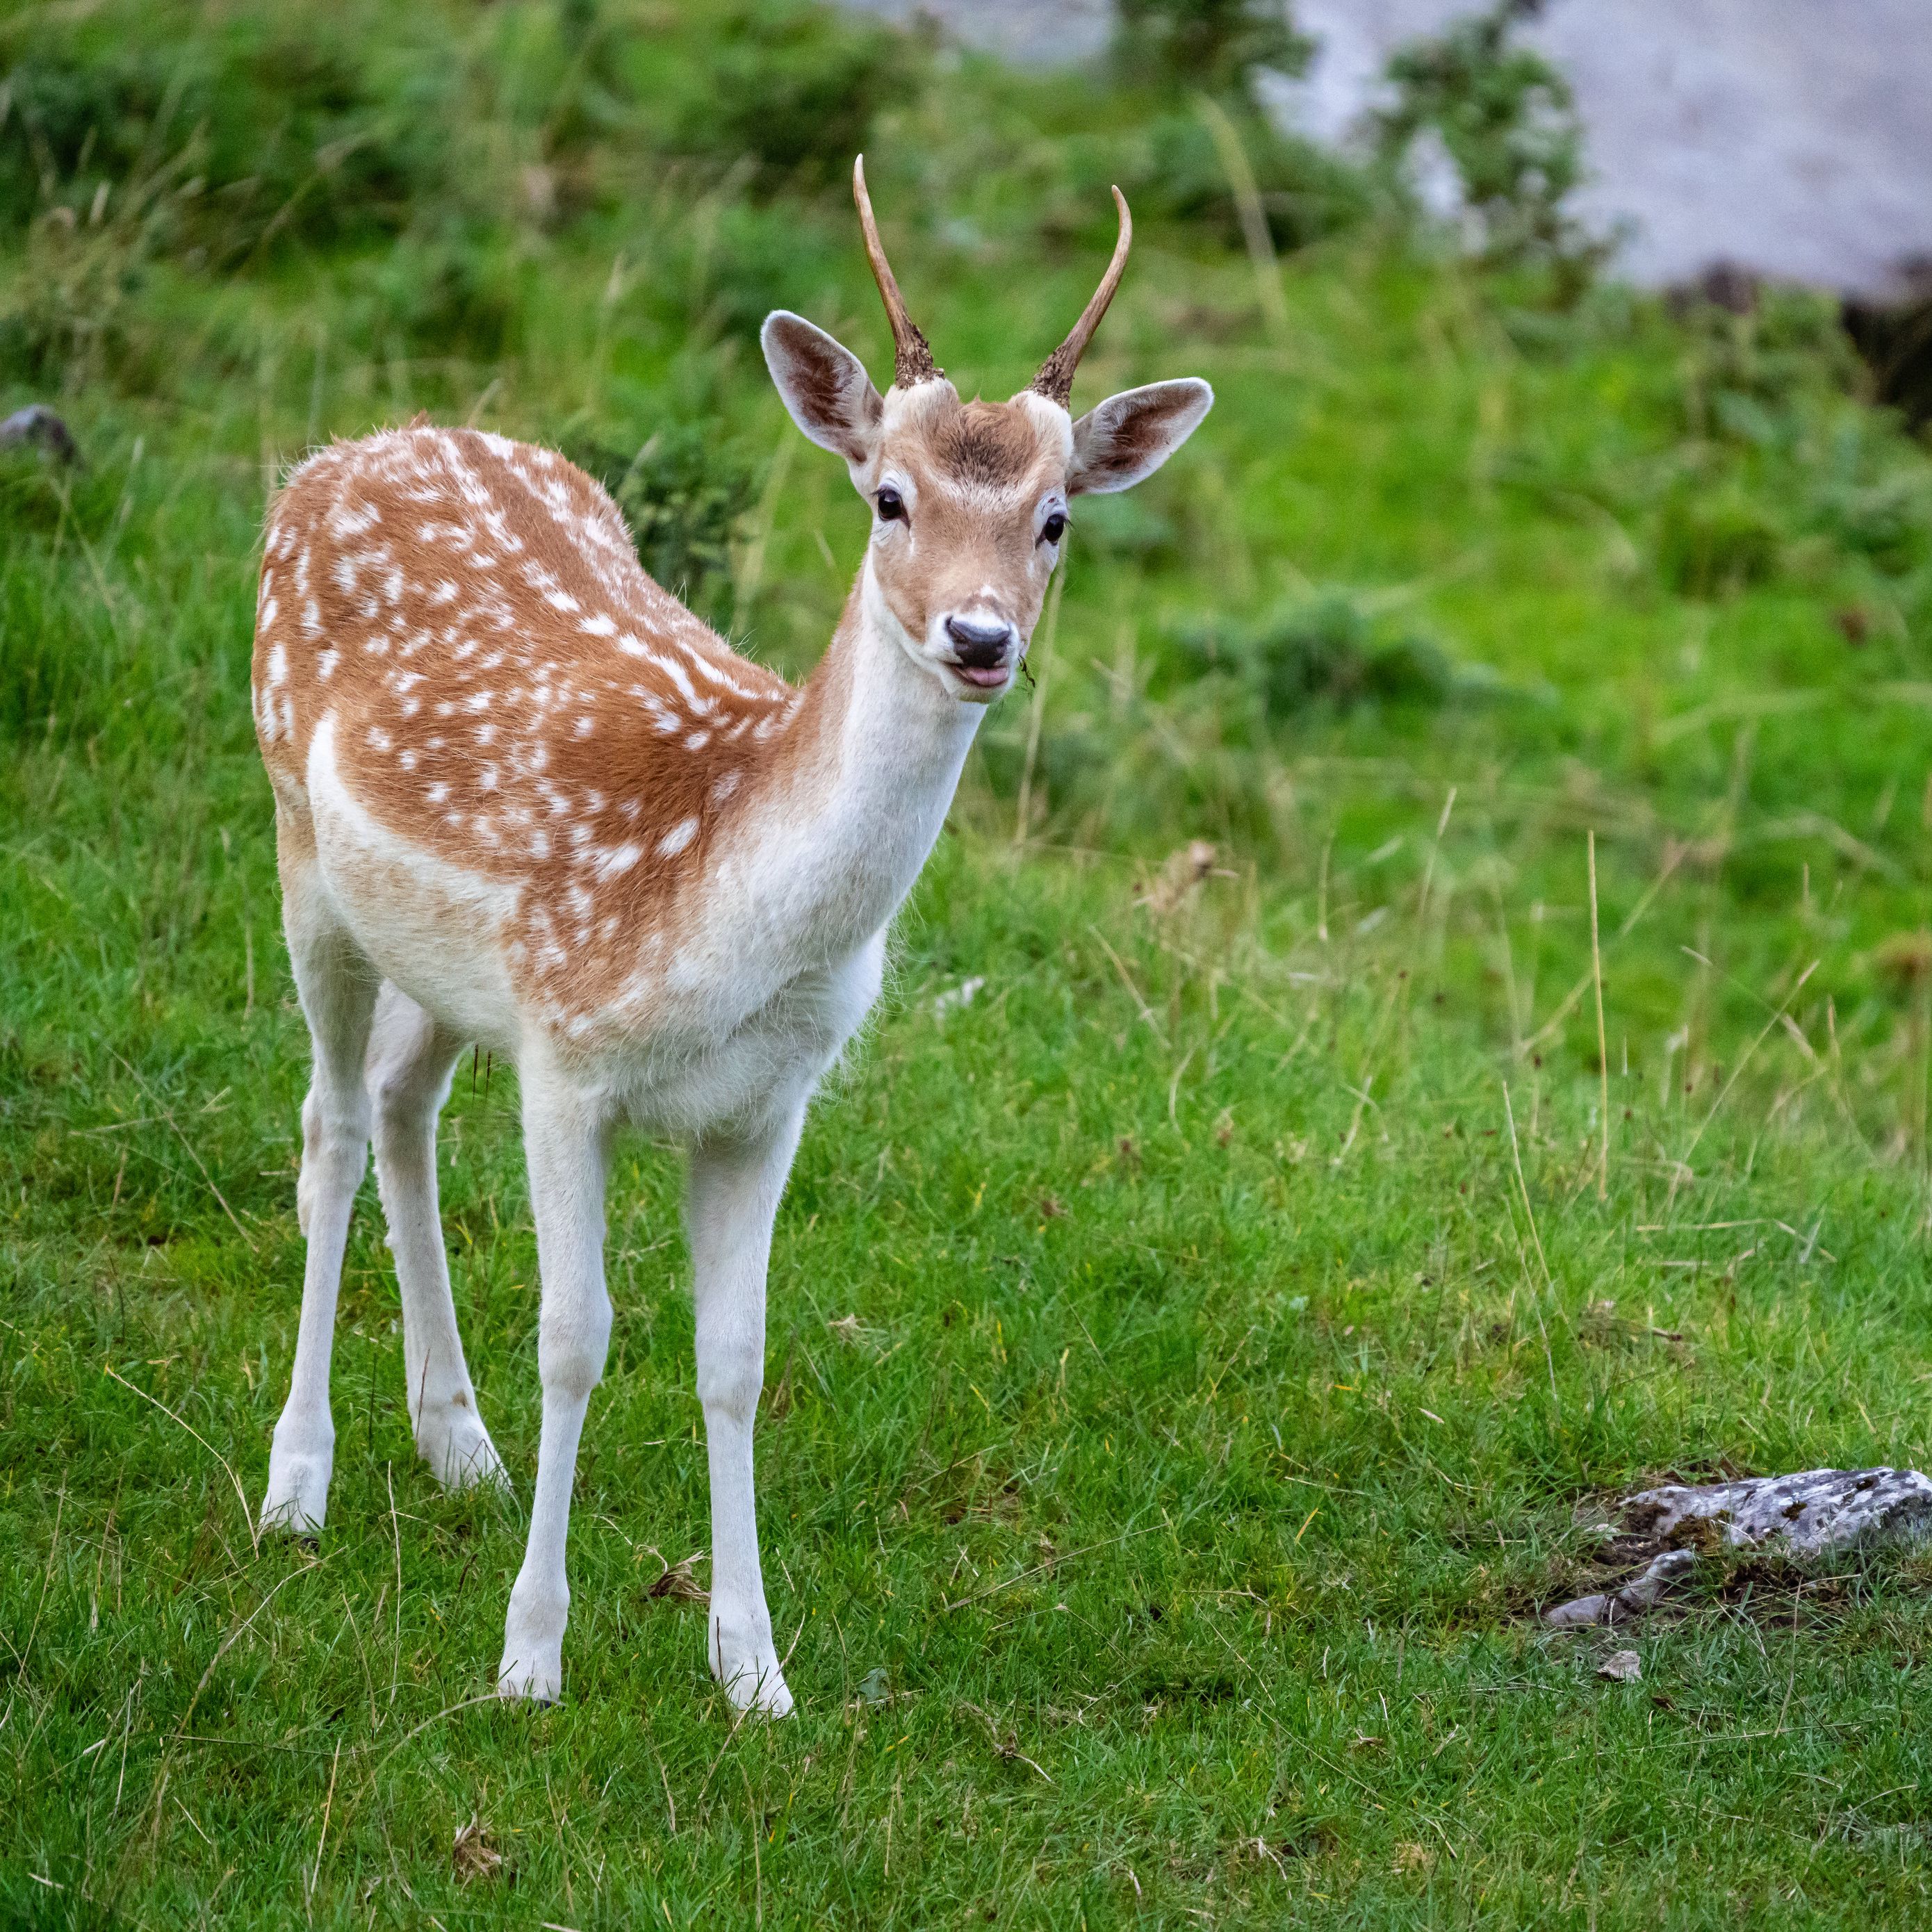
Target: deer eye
(892,507)
(1055,528)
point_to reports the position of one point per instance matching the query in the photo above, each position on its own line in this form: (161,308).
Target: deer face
(969,501)
(969,512)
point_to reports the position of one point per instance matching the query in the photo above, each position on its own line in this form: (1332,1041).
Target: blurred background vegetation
(1465,513)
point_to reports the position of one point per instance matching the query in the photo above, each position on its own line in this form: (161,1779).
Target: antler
(912,358)
(1055,380)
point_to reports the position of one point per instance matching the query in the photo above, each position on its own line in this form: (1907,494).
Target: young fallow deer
(524,799)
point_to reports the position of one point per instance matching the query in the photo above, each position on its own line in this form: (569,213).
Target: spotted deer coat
(565,815)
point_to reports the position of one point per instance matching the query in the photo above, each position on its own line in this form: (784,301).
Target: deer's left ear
(1129,436)
(824,385)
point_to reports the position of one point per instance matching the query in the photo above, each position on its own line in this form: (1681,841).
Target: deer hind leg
(336,986)
(735,1184)
(407,1073)
(565,1140)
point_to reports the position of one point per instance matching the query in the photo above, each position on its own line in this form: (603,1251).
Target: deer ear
(1125,440)
(824,385)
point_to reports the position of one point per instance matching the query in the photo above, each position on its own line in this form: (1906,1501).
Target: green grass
(1188,1356)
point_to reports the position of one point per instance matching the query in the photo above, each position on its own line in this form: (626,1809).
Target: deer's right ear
(824,385)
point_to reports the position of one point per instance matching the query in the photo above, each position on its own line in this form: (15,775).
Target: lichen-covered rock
(1815,1513)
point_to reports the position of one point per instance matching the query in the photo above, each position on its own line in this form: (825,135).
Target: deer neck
(858,789)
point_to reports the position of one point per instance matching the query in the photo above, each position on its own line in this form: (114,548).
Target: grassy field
(1206,1309)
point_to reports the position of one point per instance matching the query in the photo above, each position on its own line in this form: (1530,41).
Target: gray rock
(1815,1513)
(1636,1597)
(37,423)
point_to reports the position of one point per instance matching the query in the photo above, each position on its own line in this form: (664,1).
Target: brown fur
(511,692)
(985,443)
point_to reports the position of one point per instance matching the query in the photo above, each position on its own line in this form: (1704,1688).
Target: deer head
(969,500)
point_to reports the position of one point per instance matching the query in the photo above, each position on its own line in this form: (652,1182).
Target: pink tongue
(974,674)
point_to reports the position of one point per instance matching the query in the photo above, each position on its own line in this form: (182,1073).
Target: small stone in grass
(1622,1666)
(1635,1598)
(37,423)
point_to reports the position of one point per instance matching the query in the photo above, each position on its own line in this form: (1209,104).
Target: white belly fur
(435,930)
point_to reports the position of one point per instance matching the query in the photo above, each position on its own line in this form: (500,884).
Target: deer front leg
(736,1183)
(565,1144)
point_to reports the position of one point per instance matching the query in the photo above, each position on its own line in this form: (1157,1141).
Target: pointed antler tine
(912,359)
(1055,380)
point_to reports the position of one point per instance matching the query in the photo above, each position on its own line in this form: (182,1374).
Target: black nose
(980,646)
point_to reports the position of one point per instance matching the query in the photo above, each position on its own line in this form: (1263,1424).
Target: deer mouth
(981,677)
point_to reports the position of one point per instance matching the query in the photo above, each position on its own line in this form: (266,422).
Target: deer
(526,800)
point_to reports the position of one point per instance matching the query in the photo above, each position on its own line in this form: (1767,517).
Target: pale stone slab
(1814,1513)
